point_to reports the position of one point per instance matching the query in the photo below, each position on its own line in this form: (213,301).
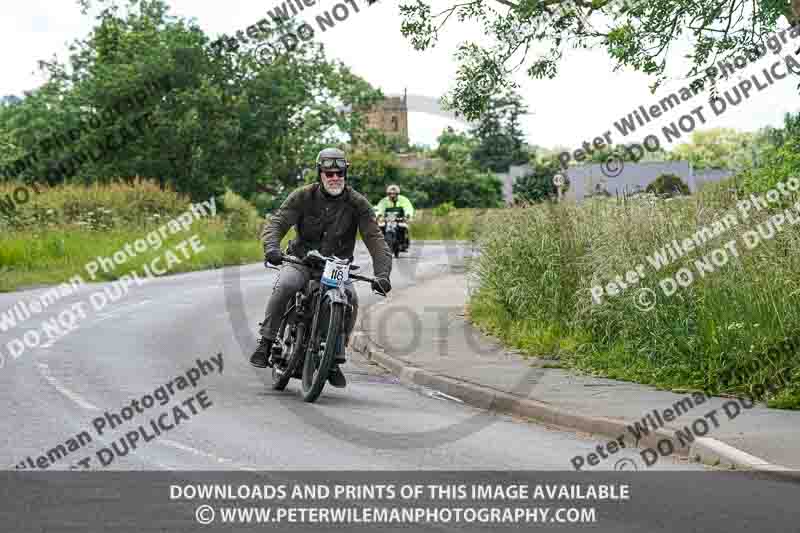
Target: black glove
(381,285)
(274,257)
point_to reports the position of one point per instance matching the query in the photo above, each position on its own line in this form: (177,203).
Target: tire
(315,375)
(281,377)
(391,241)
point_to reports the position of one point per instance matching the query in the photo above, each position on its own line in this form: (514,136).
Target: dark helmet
(332,158)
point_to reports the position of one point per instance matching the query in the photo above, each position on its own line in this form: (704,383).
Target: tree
(500,139)
(457,182)
(371,171)
(779,160)
(633,152)
(544,154)
(538,185)
(716,148)
(635,33)
(455,146)
(228,120)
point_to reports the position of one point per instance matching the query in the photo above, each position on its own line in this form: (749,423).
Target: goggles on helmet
(327,164)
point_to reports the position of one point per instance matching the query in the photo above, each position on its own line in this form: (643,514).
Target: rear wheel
(321,351)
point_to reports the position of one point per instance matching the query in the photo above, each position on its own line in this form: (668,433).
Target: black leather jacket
(328,224)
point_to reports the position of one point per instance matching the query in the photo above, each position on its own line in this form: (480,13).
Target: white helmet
(392,189)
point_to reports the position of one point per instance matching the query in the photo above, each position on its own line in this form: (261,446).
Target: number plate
(335,273)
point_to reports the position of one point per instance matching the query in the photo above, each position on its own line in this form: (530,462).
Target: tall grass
(726,333)
(51,237)
(458,224)
(96,207)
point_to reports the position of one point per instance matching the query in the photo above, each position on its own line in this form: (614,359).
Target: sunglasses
(333,163)
(333,173)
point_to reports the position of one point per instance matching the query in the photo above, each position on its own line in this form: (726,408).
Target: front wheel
(322,350)
(394,245)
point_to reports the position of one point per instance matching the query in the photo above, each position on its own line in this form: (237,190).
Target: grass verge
(735,330)
(57,231)
(47,258)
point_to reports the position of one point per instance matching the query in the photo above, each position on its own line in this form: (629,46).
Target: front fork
(338,295)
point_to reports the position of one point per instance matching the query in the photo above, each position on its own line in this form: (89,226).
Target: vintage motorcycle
(395,229)
(312,329)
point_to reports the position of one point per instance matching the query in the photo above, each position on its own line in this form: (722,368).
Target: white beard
(333,191)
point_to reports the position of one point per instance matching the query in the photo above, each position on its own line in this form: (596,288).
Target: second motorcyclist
(394,199)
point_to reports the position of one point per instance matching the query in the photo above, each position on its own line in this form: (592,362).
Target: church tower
(390,116)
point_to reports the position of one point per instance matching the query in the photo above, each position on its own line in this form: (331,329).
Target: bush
(442,210)
(459,184)
(538,185)
(669,184)
(453,181)
(267,203)
(241,217)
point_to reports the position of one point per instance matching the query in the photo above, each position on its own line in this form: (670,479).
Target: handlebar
(292,259)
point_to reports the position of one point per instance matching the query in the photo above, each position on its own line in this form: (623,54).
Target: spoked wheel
(292,341)
(322,350)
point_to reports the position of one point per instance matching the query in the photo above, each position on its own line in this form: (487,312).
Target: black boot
(260,357)
(336,377)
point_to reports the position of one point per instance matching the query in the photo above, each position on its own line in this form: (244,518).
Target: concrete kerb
(718,454)
(708,451)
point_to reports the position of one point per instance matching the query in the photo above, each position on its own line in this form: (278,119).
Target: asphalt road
(157,332)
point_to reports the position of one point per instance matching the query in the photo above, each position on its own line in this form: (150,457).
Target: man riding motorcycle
(395,199)
(326,215)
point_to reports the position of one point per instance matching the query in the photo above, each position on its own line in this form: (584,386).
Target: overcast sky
(582,103)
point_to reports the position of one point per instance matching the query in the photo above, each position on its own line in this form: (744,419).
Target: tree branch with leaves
(635,33)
